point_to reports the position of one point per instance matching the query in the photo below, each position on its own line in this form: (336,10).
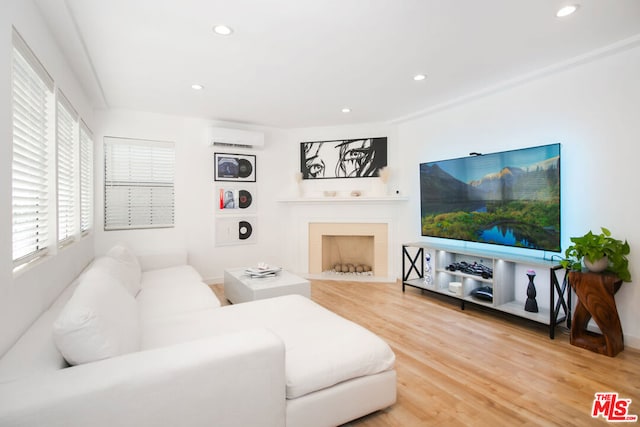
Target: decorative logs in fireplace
(352,268)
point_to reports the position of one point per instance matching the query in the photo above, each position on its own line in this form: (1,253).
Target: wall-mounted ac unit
(225,137)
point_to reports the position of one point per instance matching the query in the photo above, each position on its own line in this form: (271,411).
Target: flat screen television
(509,198)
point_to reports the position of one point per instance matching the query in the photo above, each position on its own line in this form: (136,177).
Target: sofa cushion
(122,253)
(322,348)
(180,297)
(124,273)
(99,321)
(130,266)
(170,276)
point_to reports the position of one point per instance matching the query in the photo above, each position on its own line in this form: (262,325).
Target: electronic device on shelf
(475,268)
(484,293)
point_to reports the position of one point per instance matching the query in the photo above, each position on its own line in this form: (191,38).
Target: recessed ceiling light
(346,110)
(566,10)
(222,30)
(419,77)
(196,86)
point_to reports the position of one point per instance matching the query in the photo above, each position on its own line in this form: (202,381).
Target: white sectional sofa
(150,345)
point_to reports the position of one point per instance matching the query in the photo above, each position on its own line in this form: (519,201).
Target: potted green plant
(601,249)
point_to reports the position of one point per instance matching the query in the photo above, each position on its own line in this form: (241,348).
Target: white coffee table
(238,287)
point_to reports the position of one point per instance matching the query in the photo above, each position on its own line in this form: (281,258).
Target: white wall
(593,110)
(276,166)
(195,196)
(24,296)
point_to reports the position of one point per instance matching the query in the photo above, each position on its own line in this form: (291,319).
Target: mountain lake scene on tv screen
(510,198)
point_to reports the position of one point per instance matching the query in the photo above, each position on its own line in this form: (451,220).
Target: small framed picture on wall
(234,167)
(235,198)
(236,230)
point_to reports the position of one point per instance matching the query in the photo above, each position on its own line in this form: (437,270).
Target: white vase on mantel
(380,188)
(299,186)
(598,265)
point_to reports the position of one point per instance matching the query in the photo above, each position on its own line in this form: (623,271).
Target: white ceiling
(297,63)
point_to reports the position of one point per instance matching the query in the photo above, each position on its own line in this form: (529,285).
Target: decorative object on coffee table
(596,300)
(531,304)
(262,270)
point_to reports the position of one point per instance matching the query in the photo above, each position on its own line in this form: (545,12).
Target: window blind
(86,178)
(139,189)
(32,97)
(66,135)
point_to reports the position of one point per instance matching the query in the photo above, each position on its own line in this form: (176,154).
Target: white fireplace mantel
(299,211)
(342,199)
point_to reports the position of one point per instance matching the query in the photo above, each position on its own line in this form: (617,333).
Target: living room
(588,102)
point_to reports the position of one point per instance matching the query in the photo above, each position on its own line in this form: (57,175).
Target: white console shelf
(435,275)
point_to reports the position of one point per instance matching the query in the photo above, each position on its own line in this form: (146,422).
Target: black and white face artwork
(352,158)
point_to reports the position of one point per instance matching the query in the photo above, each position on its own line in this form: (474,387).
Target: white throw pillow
(124,255)
(99,321)
(126,274)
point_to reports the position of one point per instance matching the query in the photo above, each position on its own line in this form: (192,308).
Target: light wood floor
(475,367)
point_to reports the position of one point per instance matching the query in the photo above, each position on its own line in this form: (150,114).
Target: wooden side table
(595,293)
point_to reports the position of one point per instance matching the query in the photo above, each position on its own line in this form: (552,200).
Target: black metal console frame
(406,255)
(563,301)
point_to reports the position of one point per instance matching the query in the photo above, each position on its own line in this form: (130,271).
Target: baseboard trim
(213,280)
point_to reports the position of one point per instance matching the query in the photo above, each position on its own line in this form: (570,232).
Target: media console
(456,272)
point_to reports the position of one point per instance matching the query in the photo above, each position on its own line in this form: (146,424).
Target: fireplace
(358,246)
(349,254)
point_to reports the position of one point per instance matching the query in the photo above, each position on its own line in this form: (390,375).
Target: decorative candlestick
(531,304)
(428,278)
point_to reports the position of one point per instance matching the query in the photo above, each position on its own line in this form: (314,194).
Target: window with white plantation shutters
(32,98)
(66,136)
(138,184)
(86,178)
